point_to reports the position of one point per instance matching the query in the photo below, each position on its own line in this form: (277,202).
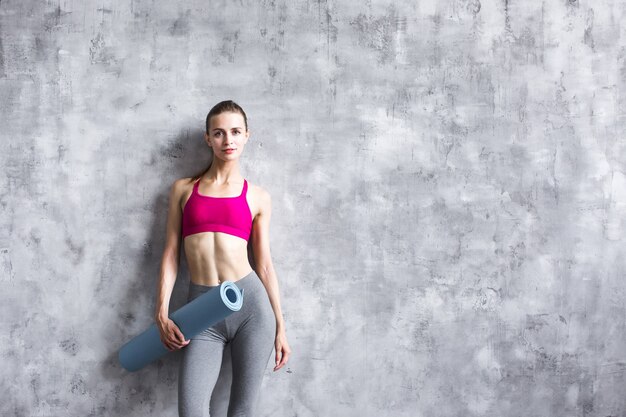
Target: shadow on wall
(184,156)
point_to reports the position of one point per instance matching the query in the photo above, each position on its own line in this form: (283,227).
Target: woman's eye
(236,132)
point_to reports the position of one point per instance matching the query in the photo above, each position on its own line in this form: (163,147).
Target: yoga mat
(192,318)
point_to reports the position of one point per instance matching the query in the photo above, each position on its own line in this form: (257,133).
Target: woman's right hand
(171,336)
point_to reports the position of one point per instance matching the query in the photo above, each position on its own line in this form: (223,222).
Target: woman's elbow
(171,254)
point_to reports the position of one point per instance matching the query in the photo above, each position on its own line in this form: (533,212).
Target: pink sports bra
(231,215)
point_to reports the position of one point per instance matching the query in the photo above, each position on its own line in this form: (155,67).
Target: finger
(284,359)
(279,364)
(166,343)
(174,342)
(184,342)
(179,335)
(171,345)
(179,343)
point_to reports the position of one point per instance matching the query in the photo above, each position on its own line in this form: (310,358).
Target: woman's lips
(229,150)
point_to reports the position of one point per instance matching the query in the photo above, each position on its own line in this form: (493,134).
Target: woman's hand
(171,336)
(282,349)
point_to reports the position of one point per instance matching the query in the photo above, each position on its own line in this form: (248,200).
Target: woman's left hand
(282,349)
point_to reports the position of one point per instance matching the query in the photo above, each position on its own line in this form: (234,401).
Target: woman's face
(227,135)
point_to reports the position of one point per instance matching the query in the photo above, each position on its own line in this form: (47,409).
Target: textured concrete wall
(449,187)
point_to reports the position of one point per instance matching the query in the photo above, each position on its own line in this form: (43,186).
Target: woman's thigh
(199,369)
(251,349)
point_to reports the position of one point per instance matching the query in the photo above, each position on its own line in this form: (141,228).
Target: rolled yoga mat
(192,318)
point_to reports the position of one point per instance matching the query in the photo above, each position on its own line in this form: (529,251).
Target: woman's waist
(211,277)
(249,281)
(207,269)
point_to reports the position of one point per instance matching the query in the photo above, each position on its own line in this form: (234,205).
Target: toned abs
(215,257)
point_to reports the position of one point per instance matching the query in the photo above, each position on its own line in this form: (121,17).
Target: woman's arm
(171,252)
(262,257)
(265,271)
(170,334)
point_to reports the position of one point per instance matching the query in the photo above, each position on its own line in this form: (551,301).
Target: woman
(216,213)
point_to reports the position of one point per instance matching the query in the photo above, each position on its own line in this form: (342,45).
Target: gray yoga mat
(192,318)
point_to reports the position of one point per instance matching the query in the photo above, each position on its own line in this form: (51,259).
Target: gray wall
(448,182)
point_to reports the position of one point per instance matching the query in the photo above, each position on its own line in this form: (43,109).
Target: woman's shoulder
(181,185)
(184,181)
(256,188)
(258,191)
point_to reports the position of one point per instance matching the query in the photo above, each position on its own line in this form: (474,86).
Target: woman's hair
(221,107)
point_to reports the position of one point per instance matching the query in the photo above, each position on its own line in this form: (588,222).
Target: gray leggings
(250,332)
